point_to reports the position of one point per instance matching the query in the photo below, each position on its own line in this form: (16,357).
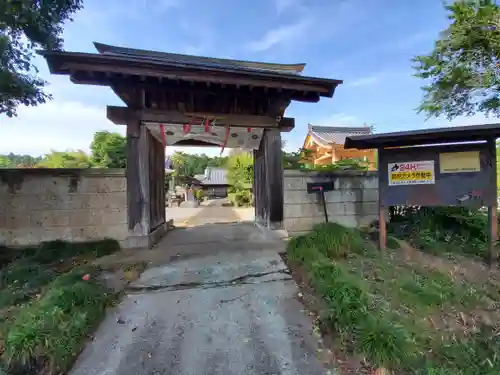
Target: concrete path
(211,211)
(229,308)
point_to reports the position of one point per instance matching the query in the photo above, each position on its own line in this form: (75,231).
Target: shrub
(333,240)
(442,229)
(198,195)
(241,198)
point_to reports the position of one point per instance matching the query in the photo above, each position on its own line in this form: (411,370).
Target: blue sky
(368,44)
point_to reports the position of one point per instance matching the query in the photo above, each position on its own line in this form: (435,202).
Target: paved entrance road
(230,310)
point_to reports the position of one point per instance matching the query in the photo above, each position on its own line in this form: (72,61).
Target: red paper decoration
(163,136)
(225,140)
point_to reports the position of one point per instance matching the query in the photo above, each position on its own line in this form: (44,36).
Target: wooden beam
(121,115)
(232,78)
(287,124)
(123,82)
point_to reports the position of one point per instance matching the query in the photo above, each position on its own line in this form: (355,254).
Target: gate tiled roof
(325,135)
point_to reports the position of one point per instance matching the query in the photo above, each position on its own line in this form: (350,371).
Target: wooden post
(274,178)
(137,173)
(156,182)
(382,234)
(493,209)
(259,184)
(382,210)
(161,166)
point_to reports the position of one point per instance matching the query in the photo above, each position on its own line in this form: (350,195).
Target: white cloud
(55,125)
(197,41)
(366,81)
(65,126)
(280,35)
(417,38)
(282,5)
(477,119)
(339,119)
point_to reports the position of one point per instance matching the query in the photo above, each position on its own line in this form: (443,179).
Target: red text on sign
(408,167)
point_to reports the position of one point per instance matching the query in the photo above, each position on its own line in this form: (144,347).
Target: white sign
(412,173)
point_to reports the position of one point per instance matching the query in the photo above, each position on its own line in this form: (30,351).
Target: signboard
(459,162)
(411,173)
(414,176)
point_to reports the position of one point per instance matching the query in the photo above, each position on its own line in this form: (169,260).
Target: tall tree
(240,170)
(191,164)
(24,26)
(108,150)
(18,161)
(464,67)
(66,159)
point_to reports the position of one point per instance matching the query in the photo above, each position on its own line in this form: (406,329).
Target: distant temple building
(326,144)
(213,182)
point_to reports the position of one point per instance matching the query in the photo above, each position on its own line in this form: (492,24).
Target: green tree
(18,161)
(240,177)
(66,159)
(26,25)
(240,170)
(109,150)
(4,162)
(463,69)
(217,161)
(188,165)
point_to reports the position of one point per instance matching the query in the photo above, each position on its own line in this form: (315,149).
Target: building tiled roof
(198,60)
(336,134)
(213,176)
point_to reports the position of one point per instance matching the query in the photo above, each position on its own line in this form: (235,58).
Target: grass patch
(440,230)
(397,315)
(52,330)
(47,308)
(57,251)
(21,280)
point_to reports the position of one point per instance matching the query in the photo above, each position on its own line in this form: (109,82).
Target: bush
(198,195)
(332,240)
(241,198)
(442,229)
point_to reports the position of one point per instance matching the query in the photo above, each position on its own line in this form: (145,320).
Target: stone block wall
(353,203)
(68,204)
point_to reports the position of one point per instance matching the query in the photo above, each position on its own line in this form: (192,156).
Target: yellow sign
(459,162)
(411,173)
(421,177)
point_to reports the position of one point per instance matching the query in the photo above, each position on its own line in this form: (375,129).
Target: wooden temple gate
(231,103)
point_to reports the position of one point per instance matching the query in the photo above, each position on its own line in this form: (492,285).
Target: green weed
(51,331)
(44,334)
(439,230)
(378,306)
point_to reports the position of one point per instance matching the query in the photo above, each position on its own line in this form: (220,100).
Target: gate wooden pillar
(138,191)
(145,186)
(156,182)
(268,180)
